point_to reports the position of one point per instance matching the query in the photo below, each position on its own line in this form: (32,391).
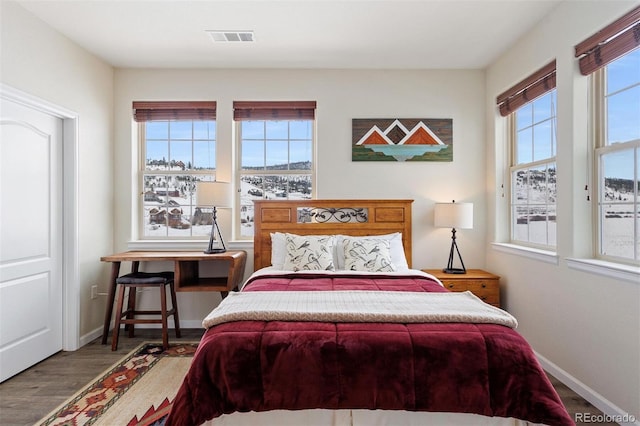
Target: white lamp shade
(454,215)
(214,194)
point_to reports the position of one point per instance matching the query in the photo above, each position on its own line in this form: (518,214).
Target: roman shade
(532,87)
(175,110)
(278,110)
(610,43)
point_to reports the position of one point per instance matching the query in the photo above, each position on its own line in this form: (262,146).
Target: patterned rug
(136,391)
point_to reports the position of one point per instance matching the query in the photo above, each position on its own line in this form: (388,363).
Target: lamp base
(454,249)
(215,250)
(454,271)
(215,229)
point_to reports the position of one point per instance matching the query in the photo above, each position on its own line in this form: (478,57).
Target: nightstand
(481,283)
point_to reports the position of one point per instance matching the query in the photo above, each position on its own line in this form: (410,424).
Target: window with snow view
(533,172)
(175,154)
(617,93)
(276,150)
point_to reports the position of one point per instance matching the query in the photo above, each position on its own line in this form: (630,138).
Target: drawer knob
(450,285)
(484,285)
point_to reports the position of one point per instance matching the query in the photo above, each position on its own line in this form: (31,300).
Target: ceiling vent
(222,36)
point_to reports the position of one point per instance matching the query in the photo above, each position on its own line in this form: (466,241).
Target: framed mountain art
(402,139)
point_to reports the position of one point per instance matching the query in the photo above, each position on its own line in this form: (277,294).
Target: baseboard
(615,413)
(91,336)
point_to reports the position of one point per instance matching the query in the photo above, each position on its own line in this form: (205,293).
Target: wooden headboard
(328,217)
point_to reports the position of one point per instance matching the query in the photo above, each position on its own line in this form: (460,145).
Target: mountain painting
(402,139)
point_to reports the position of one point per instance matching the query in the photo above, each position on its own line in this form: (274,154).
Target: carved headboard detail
(328,217)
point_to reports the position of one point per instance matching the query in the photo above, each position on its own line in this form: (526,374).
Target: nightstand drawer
(488,291)
(483,284)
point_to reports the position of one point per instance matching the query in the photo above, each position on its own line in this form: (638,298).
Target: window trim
(605,268)
(546,256)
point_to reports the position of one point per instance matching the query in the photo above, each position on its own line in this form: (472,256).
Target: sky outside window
(267,144)
(190,142)
(623,106)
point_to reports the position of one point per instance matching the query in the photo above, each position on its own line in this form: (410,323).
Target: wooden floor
(32,394)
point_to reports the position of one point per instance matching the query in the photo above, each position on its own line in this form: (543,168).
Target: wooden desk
(186,270)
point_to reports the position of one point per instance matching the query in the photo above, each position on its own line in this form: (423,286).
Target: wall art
(402,139)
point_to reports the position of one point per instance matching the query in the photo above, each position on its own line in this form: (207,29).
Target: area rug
(138,390)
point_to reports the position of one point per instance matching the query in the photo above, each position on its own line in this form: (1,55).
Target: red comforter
(446,367)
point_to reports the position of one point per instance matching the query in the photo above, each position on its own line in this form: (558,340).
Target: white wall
(341,95)
(586,325)
(39,61)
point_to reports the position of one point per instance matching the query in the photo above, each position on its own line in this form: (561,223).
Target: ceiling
(355,34)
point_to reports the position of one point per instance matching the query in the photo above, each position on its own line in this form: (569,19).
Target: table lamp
(454,215)
(214,194)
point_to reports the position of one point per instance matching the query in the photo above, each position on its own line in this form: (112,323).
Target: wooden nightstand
(481,283)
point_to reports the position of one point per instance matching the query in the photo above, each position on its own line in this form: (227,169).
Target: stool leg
(163,311)
(131,308)
(174,303)
(116,327)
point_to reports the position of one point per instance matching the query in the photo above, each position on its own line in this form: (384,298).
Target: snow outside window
(276,162)
(175,154)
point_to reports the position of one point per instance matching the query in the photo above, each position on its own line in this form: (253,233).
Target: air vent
(223,36)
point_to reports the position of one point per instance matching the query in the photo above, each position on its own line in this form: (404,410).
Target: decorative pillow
(279,249)
(308,252)
(398,257)
(370,255)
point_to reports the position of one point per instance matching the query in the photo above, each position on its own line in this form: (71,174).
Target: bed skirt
(321,417)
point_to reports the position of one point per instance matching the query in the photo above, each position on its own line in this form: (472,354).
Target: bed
(334,327)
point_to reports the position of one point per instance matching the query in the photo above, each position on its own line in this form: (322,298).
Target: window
(276,154)
(177,149)
(533,173)
(531,110)
(618,159)
(611,57)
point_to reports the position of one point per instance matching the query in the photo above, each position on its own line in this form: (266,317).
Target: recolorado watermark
(603,418)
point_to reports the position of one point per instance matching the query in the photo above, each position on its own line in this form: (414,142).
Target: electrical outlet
(94,291)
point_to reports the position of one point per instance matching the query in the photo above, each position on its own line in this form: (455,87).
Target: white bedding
(357,306)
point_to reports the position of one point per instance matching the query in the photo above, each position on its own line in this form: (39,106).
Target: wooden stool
(145,279)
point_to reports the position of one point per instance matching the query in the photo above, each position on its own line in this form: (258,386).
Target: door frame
(70,271)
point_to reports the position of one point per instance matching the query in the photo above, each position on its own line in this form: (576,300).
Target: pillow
(397,249)
(309,252)
(278,249)
(370,255)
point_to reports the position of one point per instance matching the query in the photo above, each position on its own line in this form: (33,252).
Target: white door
(30,237)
